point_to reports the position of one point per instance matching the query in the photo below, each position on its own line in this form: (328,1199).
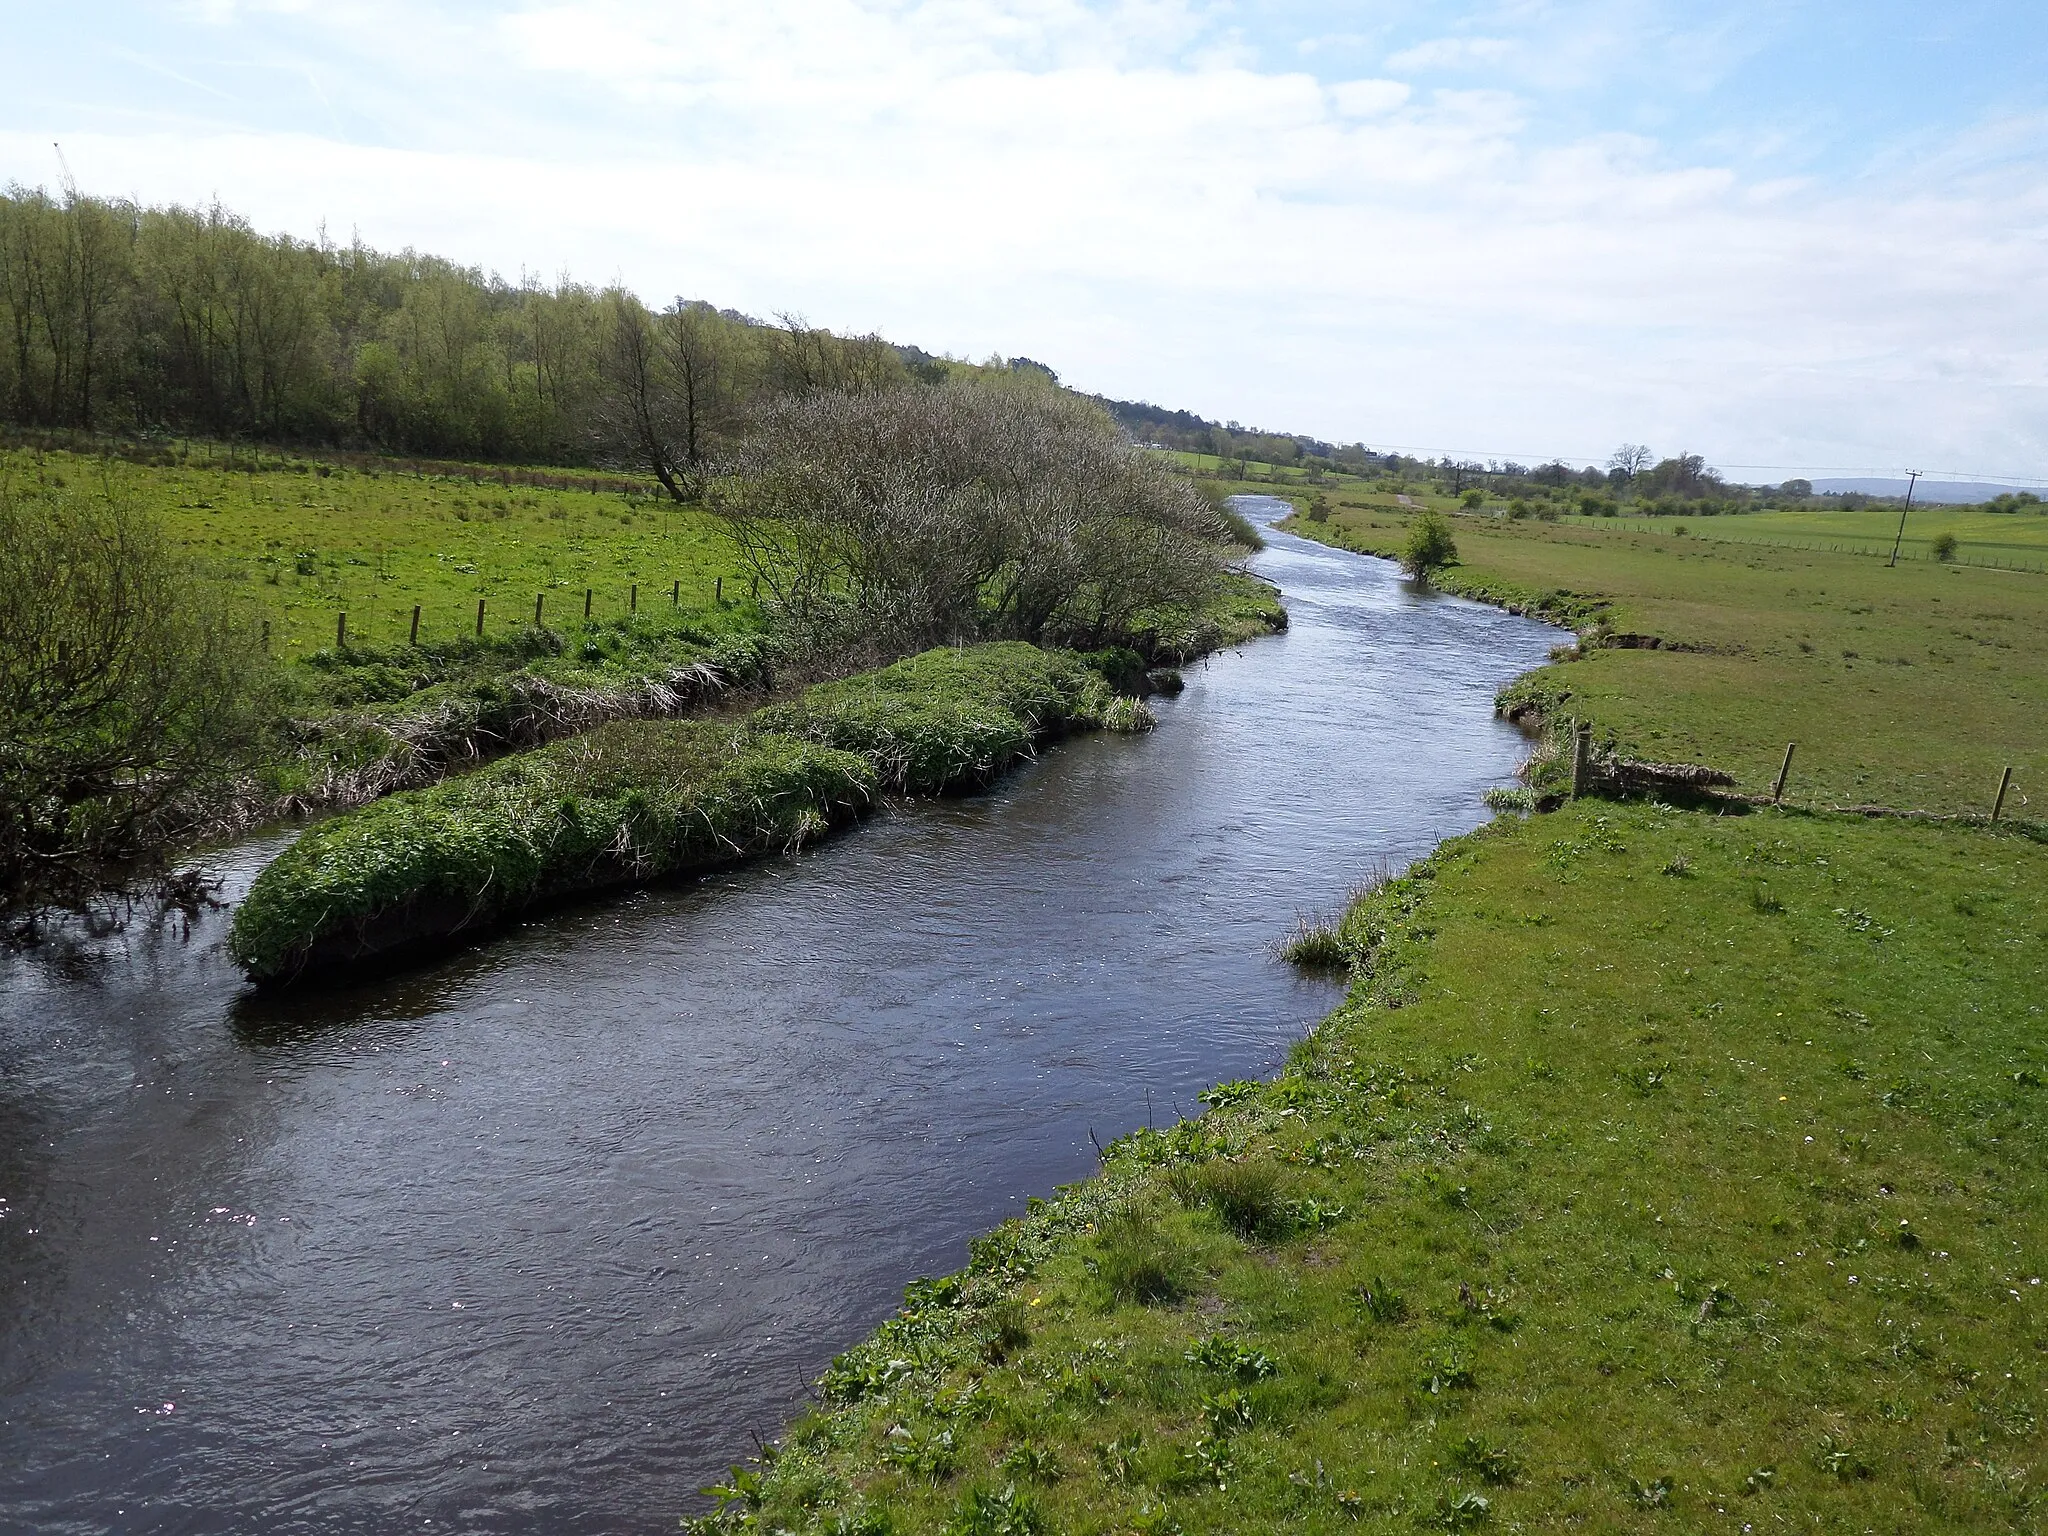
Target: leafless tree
(1630,459)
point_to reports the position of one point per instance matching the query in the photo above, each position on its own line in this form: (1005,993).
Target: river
(540,1237)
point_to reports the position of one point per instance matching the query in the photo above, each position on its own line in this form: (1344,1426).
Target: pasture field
(2016,540)
(307,540)
(1911,687)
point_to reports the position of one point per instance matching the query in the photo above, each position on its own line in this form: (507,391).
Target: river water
(541,1237)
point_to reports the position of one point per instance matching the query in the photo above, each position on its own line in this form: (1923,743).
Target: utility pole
(1912,479)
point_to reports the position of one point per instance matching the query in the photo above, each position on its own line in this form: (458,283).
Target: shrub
(1429,547)
(1944,547)
(1474,498)
(964,509)
(125,684)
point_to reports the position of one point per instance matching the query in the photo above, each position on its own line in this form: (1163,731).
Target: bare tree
(638,409)
(1629,460)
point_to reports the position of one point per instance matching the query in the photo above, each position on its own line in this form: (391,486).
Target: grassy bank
(1665,1169)
(1662,1172)
(634,801)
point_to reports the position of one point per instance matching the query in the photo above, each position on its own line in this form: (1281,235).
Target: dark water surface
(541,1237)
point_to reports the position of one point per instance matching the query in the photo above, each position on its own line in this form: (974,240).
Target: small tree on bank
(124,686)
(1430,546)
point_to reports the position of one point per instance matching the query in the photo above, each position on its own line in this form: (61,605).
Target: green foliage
(633,800)
(127,686)
(1943,546)
(951,719)
(1429,546)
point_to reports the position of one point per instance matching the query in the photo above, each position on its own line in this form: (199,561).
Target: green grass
(2016,540)
(303,541)
(1663,1172)
(1910,687)
(640,800)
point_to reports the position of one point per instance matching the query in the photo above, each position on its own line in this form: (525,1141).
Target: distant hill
(1946,492)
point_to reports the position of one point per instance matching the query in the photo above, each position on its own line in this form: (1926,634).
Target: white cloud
(1369,98)
(1115,191)
(1445,53)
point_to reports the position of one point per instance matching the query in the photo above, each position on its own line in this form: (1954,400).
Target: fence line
(352,625)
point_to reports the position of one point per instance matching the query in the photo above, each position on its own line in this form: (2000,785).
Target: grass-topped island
(634,801)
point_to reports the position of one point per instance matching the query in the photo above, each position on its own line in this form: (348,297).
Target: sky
(1799,238)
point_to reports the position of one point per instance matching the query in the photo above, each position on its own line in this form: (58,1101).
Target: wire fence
(1875,548)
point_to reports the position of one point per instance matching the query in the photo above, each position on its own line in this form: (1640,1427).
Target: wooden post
(633,601)
(538,599)
(415,638)
(340,631)
(675,595)
(718,592)
(479,618)
(1582,745)
(1778,789)
(586,602)
(2004,783)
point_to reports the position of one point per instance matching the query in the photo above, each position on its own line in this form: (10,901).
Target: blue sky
(1790,236)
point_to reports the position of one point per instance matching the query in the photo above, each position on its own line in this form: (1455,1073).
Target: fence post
(718,592)
(1778,789)
(1582,745)
(2004,783)
(538,599)
(479,618)
(415,640)
(586,602)
(633,598)
(340,631)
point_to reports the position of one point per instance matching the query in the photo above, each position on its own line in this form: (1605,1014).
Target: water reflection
(541,1236)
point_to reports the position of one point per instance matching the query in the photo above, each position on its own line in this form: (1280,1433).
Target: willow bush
(973,509)
(126,683)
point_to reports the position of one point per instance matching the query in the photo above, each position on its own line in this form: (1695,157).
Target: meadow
(304,541)
(2010,540)
(1911,687)
(1667,1167)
